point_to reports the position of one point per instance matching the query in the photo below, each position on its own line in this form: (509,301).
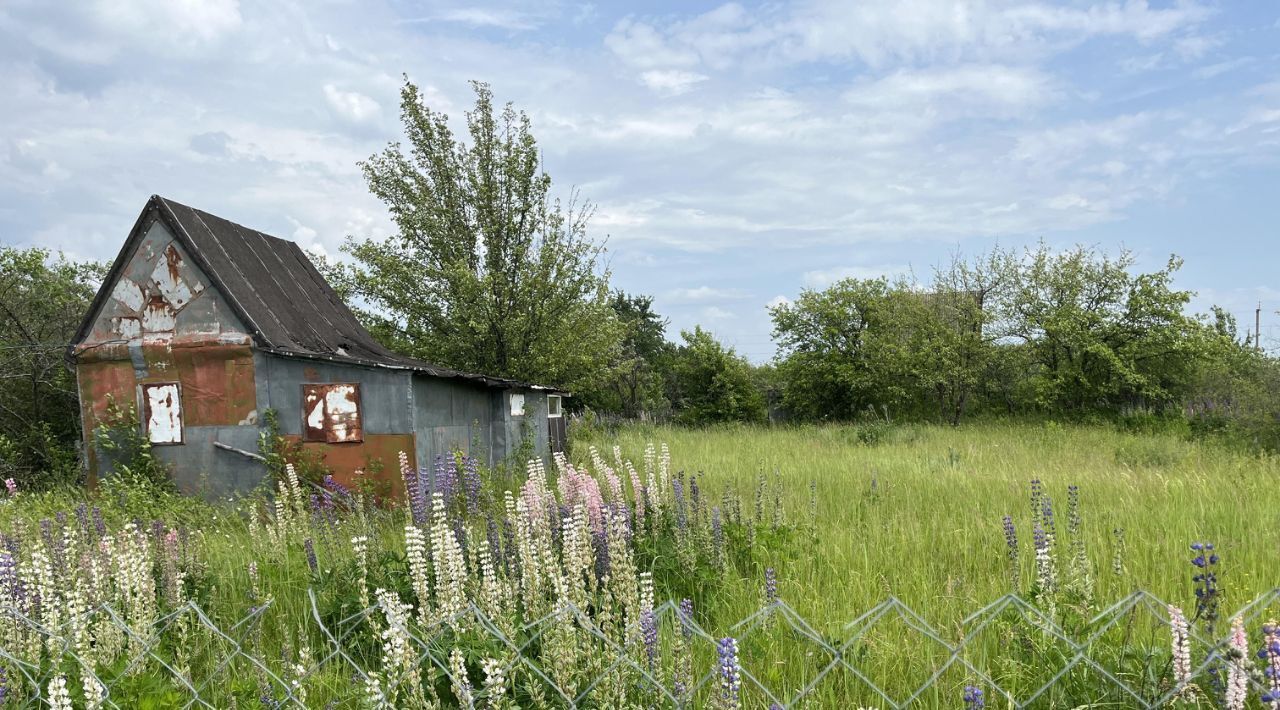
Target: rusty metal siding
(384,393)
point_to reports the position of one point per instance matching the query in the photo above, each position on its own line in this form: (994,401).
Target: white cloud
(778,300)
(703,294)
(822,278)
(351,106)
(671,82)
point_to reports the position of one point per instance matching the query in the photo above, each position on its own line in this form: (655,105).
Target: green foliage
(123,442)
(42,301)
(641,374)
(488,273)
(713,384)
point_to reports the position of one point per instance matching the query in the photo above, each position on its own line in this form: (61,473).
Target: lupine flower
(1011,542)
(1270,656)
(1117,560)
(770,586)
(1046,577)
(59,697)
(471,482)
(1206,581)
(11,486)
(1180,645)
(973,698)
(649,636)
(310,548)
(677,491)
(686,617)
(1238,672)
(730,675)
(717,536)
(413,491)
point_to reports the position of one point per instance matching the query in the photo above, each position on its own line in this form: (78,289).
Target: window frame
(559,406)
(143,389)
(320,389)
(511,404)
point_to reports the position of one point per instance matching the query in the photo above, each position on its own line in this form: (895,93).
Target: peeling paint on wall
(331,412)
(162,412)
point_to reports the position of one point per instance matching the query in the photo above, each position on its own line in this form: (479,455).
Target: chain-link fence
(1011,652)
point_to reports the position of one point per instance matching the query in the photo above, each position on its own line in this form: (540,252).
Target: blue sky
(736,153)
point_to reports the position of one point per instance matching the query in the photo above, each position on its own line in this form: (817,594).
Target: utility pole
(1257,327)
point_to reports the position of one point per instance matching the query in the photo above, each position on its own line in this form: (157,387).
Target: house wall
(451,415)
(386,414)
(510,430)
(165,323)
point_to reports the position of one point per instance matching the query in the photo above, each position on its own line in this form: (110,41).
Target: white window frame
(517,404)
(559,411)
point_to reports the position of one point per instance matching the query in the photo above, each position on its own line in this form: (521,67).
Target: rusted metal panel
(99,380)
(331,412)
(217,384)
(377,457)
(162,412)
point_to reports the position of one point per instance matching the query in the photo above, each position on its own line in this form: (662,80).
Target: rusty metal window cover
(331,413)
(162,412)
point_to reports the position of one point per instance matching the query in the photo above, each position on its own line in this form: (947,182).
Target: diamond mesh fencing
(1009,653)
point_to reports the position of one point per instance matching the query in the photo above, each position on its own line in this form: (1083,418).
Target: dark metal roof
(274,288)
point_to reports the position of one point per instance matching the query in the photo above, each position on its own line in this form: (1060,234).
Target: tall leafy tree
(641,374)
(488,272)
(713,383)
(42,301)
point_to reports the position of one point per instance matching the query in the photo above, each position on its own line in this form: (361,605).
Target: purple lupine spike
(99,525)
(8,577)
(677,489)
(973,698)
(312,562)
(695,498)
(649,635)
(770,586)
(471,479)
(730,673)
(686,617)
(602,554)
(413,489)
(494,539)
(1011,541)
(460,533)
(82,518)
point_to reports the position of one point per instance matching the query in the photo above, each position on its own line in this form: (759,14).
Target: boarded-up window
(517,405)
(553,405)
(162,412)
(331,412)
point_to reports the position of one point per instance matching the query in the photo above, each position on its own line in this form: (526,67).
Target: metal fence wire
(1009,650)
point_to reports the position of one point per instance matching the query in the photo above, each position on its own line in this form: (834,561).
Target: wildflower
(1180,642)
(471,482)
(686,617)
(1270,655)
(770,586)
(717,537)
(973,698)
(1238,673)
(1011,541)
(458,678)
(11,487)
(1046,577)
(649,636)
(413,491)
(312,563)
(59,698)
(1206,582)
(730,675)
(495,681)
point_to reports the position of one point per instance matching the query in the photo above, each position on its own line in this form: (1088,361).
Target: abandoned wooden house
(205,325)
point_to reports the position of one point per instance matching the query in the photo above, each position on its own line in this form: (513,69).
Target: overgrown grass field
(915,512)
(845,517)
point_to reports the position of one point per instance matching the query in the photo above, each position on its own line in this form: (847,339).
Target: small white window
(517,405)
(162,412)
(553,405)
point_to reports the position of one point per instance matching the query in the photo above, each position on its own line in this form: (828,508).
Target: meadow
(822,522)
